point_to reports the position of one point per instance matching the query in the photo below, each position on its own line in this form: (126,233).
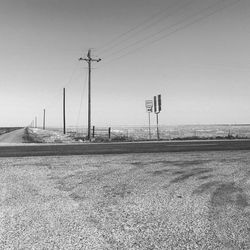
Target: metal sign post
(44,119)
(157,110)
(149,108)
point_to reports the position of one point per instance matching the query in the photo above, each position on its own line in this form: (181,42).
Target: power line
(57,96)
(169,27)
(81,101)
(145,24)
(170,33)
(73,71)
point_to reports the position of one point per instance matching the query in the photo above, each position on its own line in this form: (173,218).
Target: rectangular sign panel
(149,105)
(157,104)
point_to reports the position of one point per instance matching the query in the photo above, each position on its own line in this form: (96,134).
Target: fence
(165,132)
(101,134)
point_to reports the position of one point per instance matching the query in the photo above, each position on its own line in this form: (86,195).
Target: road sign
(157,104)
(149,105)
(157,110)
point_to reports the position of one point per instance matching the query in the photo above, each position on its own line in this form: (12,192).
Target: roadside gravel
(136,201)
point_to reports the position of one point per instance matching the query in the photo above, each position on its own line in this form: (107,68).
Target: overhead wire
(76,64)
(72,74)
(81,101)
(184,26)
(55,98)
(170,26)
(143,26)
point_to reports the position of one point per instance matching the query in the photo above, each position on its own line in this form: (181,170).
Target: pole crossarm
(89,59)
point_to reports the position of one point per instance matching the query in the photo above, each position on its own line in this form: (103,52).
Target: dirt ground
(196,200)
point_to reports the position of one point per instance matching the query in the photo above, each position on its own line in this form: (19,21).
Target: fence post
(109,131)
(93,132)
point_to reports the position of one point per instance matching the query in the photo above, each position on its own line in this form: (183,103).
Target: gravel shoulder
(197,200)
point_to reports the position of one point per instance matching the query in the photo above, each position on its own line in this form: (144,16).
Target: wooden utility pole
(89,60)
(64,120)
(44,119)
(109,132)
(93,132)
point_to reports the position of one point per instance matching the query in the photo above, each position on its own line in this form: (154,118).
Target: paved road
(118,148)
(15,136)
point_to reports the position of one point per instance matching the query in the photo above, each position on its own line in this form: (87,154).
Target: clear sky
(195,53)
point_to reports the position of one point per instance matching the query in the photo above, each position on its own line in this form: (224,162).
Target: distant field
(197,200)
(138,133)
(216,131)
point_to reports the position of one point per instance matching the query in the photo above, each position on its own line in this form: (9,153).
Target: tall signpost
(64,119)
(44,119)
(89,60)
(149,109)
(157,110)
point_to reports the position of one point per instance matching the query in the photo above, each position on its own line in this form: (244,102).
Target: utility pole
(64,120)
(89,60)
(35,122)
(44,119)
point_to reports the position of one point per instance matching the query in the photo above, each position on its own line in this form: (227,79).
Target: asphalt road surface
(188,200)
(111,148)
(11,144)
(15,136)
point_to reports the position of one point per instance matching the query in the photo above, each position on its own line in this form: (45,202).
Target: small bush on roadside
(29,137)
(121,138)
(100,139)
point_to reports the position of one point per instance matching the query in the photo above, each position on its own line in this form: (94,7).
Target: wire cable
(55,98)
(145,25)
(184,26)
(76,65)
(65,85)
(81,101)
(168,27)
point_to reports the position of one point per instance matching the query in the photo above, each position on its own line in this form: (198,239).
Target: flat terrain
(13,144)
(191,200)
